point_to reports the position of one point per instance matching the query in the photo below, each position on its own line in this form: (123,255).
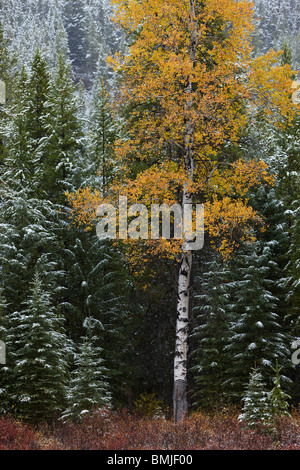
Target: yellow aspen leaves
(218,93)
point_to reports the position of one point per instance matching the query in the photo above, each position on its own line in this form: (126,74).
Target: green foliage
(256,331)
(279,400)
(149,405)
(256,409)
(102,136)
(7,75)
(41,357)
(61,168)
(263,409)
(27,241)
(38,96)
(287,56)
(21,164)
(210,334)
(88,390)
(74,14)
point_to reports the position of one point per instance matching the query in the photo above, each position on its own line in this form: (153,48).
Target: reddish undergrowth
(108,430)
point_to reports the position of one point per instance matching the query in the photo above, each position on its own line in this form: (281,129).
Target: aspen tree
(188,85)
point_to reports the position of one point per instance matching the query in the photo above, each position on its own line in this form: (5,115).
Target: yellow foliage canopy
(162,88)
(226,80)
(227,214)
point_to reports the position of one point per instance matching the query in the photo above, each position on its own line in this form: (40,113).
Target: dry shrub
(15,435)
(109,430)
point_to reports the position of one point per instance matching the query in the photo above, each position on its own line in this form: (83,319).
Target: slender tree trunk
(180,401)
(180,363)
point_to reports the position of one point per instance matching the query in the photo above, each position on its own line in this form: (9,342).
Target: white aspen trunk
(180,401)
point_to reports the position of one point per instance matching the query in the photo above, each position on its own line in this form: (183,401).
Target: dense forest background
(111,331)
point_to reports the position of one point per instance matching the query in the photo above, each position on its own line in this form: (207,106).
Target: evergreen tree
(74,22)
(283,157)
(3,341)
(290,191)
(98,285)
(88,389)
(93,33)
(45,135)
(37,117)
(102,136)
(61,39)
(56,33)
(27,243)
(9,336)
(38,98)
(257,337)
(277,397)
(7,61)
(41,365)
(27,240)
(2,315)
(112,34)
(20,164)
(210,334)
(61,166)
(256,409)
(102,36)
(280,149)
(293,269)
(32,25)
(278,21)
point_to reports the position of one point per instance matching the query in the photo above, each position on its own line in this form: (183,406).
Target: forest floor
(124,431)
